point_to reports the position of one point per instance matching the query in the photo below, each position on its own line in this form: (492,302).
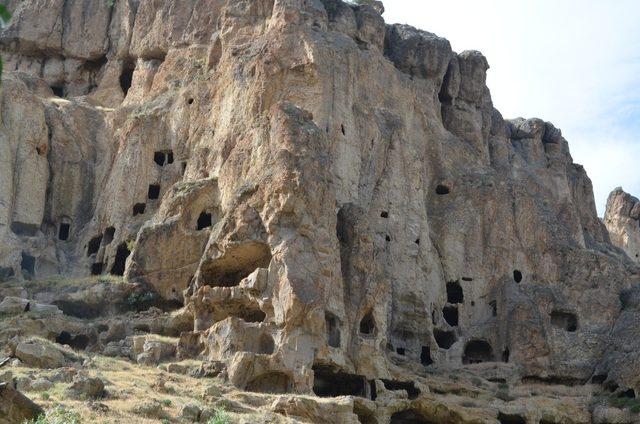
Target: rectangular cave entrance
(163,157)
(94,245)
(126,77)
(153,192)
(333,329)
(119,263)
(330,381)
(408,386)
(64,231)
(28,265)
(564,320)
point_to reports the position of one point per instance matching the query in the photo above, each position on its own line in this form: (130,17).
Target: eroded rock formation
(622,219)
(335,201)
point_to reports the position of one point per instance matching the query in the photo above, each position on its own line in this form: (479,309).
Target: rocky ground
(122,367)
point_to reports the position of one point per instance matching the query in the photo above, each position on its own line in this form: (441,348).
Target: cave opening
(444,339)
(425,356)
(599,378)
(450,314)
(330,381)
(22,229)
(564,320)
(442,189)
(408,386)
(122,253)
(517,276)
(505,355)
(159,158)
(126,77)
(454,292)
(94,245)
(58,90)
(28,264)
(79,342)
(384,214)
(367,324)
(139,208)
(477,351)
(169,157)
(237,262)
(511,418)
(154,191)
(109,233)
(333,329)
(63,231)
(96,268)
(494,308)
(204,220)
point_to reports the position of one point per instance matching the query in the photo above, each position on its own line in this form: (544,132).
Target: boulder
(190,412)
(86,387)
(15,407)
(15,306)
(152,351)
(41,354)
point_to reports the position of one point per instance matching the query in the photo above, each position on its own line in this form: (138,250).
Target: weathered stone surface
(622,219)
(335,203)
(15,407)
(149,350)
(15,305)
(40,354)
(87,387)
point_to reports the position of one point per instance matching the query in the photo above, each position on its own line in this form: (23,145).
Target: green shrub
(625,402)
(57,415)
(220,417)
(141,300)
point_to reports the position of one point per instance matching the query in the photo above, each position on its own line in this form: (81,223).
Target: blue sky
(574,63)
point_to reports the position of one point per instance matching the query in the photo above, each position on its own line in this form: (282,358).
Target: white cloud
(575,63)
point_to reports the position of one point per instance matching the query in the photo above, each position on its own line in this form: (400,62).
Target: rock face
(622,219)
(335,200)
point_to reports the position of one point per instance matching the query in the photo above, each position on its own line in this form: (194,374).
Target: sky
(575,63)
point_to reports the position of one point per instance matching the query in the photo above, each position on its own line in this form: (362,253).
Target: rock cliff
(622,219)
(334,201)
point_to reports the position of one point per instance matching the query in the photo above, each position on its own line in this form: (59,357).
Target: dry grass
(60,283)
(129,388)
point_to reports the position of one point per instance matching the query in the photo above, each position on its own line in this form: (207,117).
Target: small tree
(5,16)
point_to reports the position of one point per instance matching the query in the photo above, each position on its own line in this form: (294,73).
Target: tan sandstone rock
(334,201)
(15,407)
(622,219)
